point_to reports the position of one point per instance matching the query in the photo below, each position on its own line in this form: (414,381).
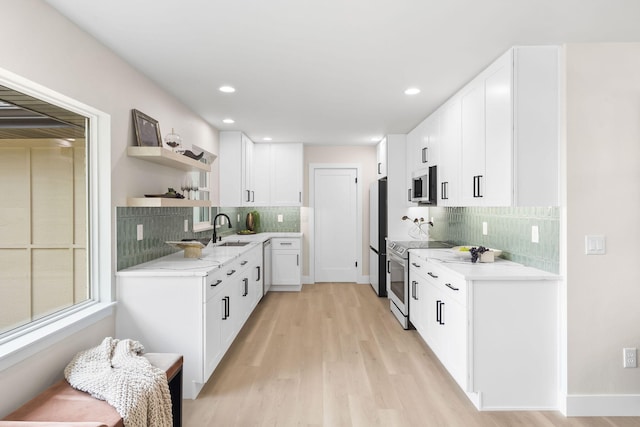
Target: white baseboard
(361,280)
(604,405)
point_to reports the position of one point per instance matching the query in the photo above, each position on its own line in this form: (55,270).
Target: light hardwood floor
(333,355)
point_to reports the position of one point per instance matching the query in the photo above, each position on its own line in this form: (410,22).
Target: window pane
(43,214)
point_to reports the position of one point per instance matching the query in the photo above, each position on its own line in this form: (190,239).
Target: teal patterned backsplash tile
(167,224)
(508,229)
(159,226)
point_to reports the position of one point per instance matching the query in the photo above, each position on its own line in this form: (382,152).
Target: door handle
(253,196)
(248,195)
(225,308)
(389,267)
(246,287)
(258,267)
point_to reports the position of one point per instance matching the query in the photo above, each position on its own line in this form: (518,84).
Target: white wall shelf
(166,202)
(162,156)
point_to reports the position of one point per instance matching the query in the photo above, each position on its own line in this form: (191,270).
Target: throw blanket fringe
(115,372)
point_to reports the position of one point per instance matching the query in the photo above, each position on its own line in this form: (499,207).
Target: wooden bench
(62,405)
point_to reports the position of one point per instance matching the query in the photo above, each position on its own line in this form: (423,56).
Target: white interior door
(335,226)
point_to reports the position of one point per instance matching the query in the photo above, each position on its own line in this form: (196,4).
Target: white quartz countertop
(213,257)
(500,269)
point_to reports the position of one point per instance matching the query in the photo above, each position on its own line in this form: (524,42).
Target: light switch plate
(535,235)
(280,218)
(485,228)
(594,245)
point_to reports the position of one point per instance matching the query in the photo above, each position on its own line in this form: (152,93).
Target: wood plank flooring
(333,355)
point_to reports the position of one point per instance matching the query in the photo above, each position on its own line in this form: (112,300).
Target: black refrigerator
(377,237)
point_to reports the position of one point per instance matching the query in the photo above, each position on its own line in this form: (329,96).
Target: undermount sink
(233,244)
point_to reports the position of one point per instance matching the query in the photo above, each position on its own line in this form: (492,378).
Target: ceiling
(332,71)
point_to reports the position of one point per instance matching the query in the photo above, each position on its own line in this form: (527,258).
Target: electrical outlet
(186,225)
(630,358)
(238,218)
(139,232)
(535,235)
(280,218)
(485,230)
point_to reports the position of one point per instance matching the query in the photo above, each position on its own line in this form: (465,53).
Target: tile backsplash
(508,229)
(167,224)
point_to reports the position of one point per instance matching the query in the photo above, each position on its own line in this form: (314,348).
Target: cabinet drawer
(448,283)
(283,243)
(213,283)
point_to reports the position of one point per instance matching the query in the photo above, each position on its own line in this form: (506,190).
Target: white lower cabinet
(286,259)
(497,337)
(197,316)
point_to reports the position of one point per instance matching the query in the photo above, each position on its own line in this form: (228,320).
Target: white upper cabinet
(259,174)
(509,132)
(236,172)
(381,155)
(286,174)
(449,153)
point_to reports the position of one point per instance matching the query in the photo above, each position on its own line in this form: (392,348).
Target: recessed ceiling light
(227,89)
(267,138)
(412,91)
(228,121)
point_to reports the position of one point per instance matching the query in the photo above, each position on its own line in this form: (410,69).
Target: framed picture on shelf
(147,130)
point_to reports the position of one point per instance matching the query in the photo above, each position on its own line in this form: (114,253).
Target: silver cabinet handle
(286,243)
(432,275)
(297,259)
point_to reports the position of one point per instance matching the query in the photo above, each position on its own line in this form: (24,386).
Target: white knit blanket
(115,372)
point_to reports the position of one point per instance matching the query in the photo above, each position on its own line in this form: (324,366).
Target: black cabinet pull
(444,190)
(225,313)
(415,265)
(253,196)
(477,190)
(379,171)
(258,267)
(438,311)
(229,273)
(216,284)
(448,285)
(248,195)
(244,262)
(389,267)
(413,289)
(409,195)
(442,312)
(432,275)
(298,260)
(246,287)
(424,155)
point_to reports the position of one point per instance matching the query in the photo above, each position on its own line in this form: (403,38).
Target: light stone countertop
(501,269)
(213,257)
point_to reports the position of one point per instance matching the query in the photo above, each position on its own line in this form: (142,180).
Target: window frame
(36,336)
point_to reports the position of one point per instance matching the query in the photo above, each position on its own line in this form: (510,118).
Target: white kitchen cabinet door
(449,153)
(286,267)
(248,189)
(236,169)
(498,174)
(261,174)
(381,156)
(412,147)
(453,318)
(473,144)
(212,331)
(286,174)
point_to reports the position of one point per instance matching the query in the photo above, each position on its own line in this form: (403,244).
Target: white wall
(42,46)
(362,155)
(603,198)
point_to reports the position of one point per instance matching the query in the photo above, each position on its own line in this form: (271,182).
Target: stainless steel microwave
(424,189)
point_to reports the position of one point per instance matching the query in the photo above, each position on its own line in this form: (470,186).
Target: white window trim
(25,343)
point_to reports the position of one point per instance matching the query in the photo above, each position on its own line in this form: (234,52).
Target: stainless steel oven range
(398,274)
